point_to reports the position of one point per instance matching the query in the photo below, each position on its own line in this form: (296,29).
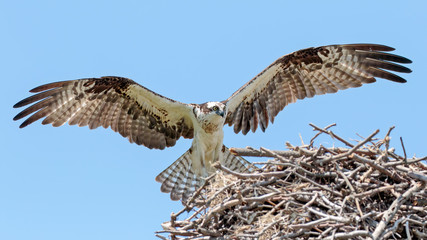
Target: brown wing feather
(137,113)
(306,73)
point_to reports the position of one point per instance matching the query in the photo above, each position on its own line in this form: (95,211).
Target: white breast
(207,144)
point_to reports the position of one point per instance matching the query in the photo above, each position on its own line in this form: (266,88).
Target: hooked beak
(220,112)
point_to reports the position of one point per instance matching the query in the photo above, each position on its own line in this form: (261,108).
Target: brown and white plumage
(305,73)
(180,180)
(144,117)
(149,119)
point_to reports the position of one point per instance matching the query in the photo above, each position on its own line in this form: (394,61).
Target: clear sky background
(71,183)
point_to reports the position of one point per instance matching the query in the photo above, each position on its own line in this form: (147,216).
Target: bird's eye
(215,108)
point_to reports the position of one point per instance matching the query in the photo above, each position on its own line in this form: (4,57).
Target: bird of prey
(147,118)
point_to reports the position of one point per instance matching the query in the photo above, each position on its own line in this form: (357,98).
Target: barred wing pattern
(179,179)
(144,117)
(306,73)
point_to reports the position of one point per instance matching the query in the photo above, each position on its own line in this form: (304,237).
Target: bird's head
(213,111)
(213,108)
(217,108)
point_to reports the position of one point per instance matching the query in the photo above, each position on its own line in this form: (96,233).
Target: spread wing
(306,73)
(142,116)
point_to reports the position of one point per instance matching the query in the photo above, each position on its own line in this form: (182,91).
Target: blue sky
(72,183)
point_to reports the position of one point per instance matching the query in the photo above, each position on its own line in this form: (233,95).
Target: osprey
(149,119)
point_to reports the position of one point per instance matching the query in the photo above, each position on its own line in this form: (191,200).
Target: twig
(351,235)
(234,202)
(408,232)
(403,147)
(389,214)
(319,185)
(331,134)
(351,188)
(352,150)
(377,167)
(251,152)
(320,132)
(250,175)
(198,191)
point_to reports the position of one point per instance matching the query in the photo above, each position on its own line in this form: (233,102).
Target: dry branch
(361,191)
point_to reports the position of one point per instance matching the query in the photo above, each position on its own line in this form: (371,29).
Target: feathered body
(187,174)
(208,137)
(149,119)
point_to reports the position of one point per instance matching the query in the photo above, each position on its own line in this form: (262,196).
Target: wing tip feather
(368,47)
(22,103)
(48,86)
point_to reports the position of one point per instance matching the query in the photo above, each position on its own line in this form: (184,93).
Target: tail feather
(183,181)
(180,180)
(235,163)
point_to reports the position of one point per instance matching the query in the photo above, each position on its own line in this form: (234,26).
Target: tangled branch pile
(362,191)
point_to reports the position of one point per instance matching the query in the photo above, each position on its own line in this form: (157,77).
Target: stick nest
(361,191)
